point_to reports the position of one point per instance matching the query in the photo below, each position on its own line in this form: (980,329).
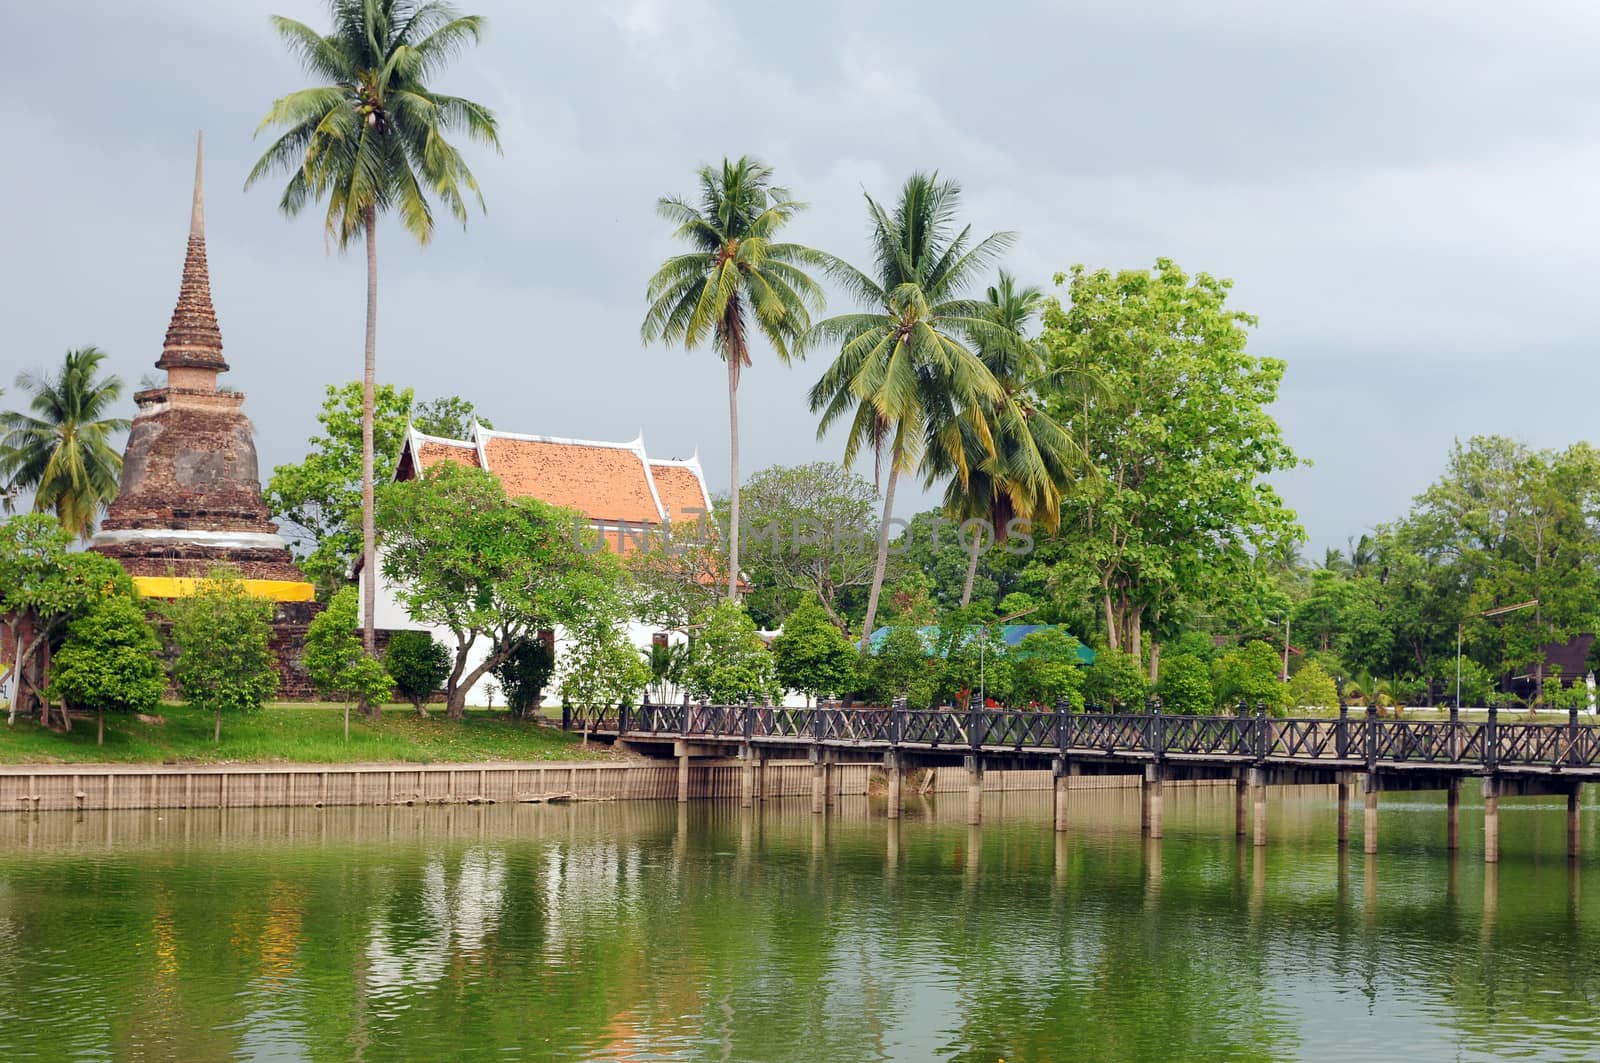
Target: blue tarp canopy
(1011,636)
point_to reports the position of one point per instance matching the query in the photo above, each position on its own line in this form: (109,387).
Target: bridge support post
(1062,781)
(819,782)
(758,762)
(1574,837)
(1491,820)
(1370,834)
(1150,801)
(747,776)
(1452,814)
(1344,809)
(896,772)
(1241,789)
(974,766)
(683,775)
(1258,789)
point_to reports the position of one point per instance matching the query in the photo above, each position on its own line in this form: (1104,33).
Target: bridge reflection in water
(1254,751)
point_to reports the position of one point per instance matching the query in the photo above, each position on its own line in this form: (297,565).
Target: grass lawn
(294,732)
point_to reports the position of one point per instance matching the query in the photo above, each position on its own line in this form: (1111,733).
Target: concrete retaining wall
(67,788)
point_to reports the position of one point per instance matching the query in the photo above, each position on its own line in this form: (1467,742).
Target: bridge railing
(1346,739)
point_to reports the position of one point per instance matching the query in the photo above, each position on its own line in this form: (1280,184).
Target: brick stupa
(190,496)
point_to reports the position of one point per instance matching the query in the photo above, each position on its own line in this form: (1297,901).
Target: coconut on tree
(906,371)
(736,280)
(372,139)
(61,449)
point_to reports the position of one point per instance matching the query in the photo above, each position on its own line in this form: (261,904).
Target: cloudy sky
(1402,192)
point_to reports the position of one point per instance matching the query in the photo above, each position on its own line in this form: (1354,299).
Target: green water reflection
(634,930)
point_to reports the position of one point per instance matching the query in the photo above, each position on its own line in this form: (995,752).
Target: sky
(1402,193)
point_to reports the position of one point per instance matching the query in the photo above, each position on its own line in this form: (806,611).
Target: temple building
(190,495)
(618,489)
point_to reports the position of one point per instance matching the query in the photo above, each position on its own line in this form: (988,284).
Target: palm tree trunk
(369,531)
(883,549)
(733,476)
(972,571)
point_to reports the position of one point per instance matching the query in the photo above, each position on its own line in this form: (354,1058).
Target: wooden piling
(1491,820)
(1344,810)
(1452,813)
(1370,834)
(1258,805)
(1574,837)
(1152,800)
(974,766)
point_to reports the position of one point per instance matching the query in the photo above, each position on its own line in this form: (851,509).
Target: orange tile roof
(431,451)
(683,494)
(601,482)
(609,483)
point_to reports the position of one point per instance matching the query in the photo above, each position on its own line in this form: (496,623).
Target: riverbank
(295,733)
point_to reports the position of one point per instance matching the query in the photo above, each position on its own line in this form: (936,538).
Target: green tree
(1185,685)
(336,662)
(320,498)
(223,637)
(464,557)
(599,667)
(418,664)
(811,528)
(451,417)
(668,663)
(1116,682)
(44,585)
(1312,687)
(812,655)
(1249,674)
(1006,459)
(735,277)
(372,139)
(905,367)
(728,662)
(1178,426)
(111,659)
(62,449)
(524,674)
(1047,668)
(899,666)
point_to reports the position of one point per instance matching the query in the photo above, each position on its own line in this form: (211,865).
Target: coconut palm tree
(906,364)
(372,140)
(62,450)
(736,276)
(1022,461)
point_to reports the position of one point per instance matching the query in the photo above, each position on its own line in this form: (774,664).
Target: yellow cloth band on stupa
(277,590)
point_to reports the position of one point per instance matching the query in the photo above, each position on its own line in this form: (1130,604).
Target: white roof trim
(693,465)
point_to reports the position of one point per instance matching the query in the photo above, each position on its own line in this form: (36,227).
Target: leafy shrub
(223,636)
(419,666)
(1311,687)
(524,674)
(812,655)
(111,661)
(900,668)
(1185,685)
(335,660)
(729,662)
(1045,667)
(1249,674)
(1116,682)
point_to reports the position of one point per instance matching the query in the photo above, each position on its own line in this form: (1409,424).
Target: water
(645,931)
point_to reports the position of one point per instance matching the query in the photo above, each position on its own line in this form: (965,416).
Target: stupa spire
(194,341)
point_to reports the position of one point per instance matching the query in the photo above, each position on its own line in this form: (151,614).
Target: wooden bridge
(1256,751)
